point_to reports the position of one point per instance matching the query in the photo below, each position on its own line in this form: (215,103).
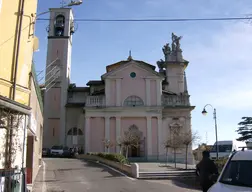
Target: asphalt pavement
(73,175)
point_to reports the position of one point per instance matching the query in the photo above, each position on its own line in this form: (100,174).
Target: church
(130,95)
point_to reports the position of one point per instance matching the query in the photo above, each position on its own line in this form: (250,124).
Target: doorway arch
(75,137)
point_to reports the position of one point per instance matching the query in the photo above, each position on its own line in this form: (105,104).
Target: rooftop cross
(130,57)
(63,3)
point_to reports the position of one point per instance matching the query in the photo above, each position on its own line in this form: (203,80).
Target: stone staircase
(159,171)
(167,174)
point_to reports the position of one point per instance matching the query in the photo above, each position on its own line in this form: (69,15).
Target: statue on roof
(160,65)
(176,42)
(167,51)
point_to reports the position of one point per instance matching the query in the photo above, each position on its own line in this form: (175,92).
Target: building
(130,96)
(17,92)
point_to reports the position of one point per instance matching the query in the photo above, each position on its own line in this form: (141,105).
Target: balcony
(175,100)
(95,101)
(167,101)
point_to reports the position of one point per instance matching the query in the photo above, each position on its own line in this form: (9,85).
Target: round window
(132,74)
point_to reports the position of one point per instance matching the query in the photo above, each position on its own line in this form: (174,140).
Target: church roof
(120,65)
(79,89)
(95,82)
(123,62)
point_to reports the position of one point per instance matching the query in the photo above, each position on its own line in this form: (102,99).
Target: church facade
(130,95)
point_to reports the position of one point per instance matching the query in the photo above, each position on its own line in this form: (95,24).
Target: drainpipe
(17,50)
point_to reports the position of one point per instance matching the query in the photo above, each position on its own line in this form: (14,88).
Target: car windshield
(57,147)
(237,173)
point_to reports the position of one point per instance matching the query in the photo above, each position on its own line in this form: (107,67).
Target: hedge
(112,157)
(220,163)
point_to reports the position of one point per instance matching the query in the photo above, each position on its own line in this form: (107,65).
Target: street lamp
(72,3)
(204,112)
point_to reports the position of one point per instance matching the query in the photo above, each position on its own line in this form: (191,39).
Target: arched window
(133,101)
(59,25)
(75,131)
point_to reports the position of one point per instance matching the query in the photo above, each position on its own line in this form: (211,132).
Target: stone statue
(160,65)
(176,42)
(166,51)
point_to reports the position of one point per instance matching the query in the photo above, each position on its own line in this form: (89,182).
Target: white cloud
(225,65)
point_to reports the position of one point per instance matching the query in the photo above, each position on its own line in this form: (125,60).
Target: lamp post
(204,112)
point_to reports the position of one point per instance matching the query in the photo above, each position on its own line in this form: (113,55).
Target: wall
(7,37)
(37,112)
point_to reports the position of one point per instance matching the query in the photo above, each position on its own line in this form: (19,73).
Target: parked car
(236,174)
(45,152)
(57,150)
(68,152)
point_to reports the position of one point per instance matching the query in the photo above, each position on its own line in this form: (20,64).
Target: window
(237,173)
(133,101)
(75,131)
(132,74)
(222,148)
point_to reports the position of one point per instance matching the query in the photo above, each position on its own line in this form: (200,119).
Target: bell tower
(57,78)
(173,67)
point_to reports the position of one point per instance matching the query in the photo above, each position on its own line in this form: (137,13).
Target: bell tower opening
(59,25)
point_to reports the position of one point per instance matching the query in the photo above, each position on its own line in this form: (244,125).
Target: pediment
(148,71)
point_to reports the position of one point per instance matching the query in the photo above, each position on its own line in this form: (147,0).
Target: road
(67,175)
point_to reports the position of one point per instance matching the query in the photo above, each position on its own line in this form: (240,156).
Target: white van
(226,148)
(236,174)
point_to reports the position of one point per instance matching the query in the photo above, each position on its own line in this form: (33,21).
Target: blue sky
(219,52)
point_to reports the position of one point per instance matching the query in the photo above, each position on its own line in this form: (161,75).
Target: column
(118,132)
(149,138)
(148,99)
(107,130)
(107,91)
(87,134)
(118,92)
(160,137)
(159,92)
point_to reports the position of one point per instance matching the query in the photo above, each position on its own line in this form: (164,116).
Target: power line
(158,20)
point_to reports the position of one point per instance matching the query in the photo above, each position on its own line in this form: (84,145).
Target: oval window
(132,74)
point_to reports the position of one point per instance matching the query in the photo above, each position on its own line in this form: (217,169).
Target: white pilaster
(148,99)
(149,137)
(160,136)
(107,130)
(107,91)
(87,134)
(159,92)
(118,92)
(118,132)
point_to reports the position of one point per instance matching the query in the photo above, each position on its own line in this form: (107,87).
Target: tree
(130,139)
(11,137)
(245,129)
(119,144)
(167,145)
(188,139)
(175,142)
(108,144)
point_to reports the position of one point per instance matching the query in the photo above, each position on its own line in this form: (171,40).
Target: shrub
(112,157)
(221,163)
